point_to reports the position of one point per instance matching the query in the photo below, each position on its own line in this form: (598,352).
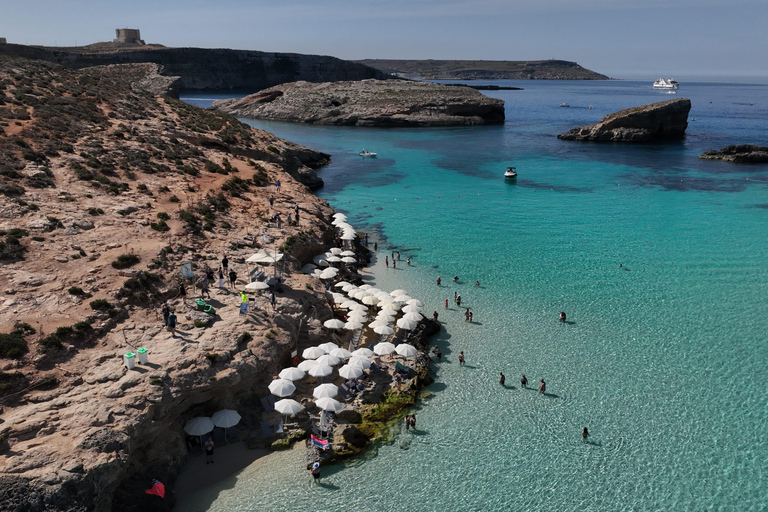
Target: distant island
(484,69)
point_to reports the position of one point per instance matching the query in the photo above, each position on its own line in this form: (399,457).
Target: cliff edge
(369,103)
(741,154)
(666,120)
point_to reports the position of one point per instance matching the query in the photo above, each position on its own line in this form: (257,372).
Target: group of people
(410,421)
(169,318)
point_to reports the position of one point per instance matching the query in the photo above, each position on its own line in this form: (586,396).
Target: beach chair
(278,426)
(399,368)
(233,435)
(266,428)
(375,368)
(219,438)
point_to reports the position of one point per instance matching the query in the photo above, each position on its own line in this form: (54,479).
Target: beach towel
(158,489)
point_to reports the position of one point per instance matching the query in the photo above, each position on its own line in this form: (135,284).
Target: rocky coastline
(666,120)
(740,154)
(552,69)
(391,103)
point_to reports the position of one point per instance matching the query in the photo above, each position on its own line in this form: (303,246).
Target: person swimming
(562,316)
(455,278)
(585,434)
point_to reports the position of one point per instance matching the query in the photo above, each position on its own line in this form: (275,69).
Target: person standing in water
(542,387)
(461,358)
(585,434)
(524,381)
(439,280)
(502,378)
(562,316)
(315,472)
(386,261)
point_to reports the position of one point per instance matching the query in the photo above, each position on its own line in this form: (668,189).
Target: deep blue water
(665,358)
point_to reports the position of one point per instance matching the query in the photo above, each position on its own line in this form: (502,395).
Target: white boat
(365,152)
(564,105)
(667,83)
(511,172)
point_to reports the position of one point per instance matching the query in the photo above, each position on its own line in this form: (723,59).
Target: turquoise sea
(664,359)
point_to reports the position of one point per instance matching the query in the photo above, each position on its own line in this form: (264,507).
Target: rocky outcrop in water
(485,69)
(741,154)
(369,103)
(666,120)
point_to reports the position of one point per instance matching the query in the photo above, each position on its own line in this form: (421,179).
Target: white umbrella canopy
(414,316)
(384,348)
(362,362)
(347,253)
(405,323)
(333,259)
(390,307)
(384,297)
(225,418)
(348,236)
(348,287)
(358,317)
(374,291)
(406,350)
(328,273)
(292,373)
(362,352)
(358,294)
(383,329)
(335,251)
(350,372)
(365,286)
(395,293)
(358,307)
(387,314)
(339,215)
(320,370)
(401,298)
(313,353)
(348,304)
(341,353)
(348,259)
(415,302)
(325,390)
(334,323)
(329,360)
(307,365)
(379,322)
(357,313)
(256,285)
(338,298)
(199,426)
(353,325)
(328,404)
(320,261)
(411,309)
(282,387)
(370,300)
(288,406)
(342,284)
(328,347)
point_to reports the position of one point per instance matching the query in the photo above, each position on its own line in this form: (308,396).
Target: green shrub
(211,357)
(163,216)
(125,261)
(95,211)
(50,342)
(100,304)
(12,345)
(83,327)
(201,323)
(75,290)
(23,328)
(160,226)
(174,199)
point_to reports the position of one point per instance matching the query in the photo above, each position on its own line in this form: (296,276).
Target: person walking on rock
(172,323)
(232,279)
(166,313)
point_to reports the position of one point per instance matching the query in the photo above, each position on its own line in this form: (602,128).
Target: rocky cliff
(202,68)
(369,103)
(742,154)
(666,120)
(106,189)
(485,69)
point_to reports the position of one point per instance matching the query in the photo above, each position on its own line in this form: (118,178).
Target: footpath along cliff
(666,120)
(369,103)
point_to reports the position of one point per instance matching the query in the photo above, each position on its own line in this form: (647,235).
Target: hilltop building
(128,35)
(3,40)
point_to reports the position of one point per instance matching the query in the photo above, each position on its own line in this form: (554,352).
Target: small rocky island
(369,103)
(666,120)
(741,154)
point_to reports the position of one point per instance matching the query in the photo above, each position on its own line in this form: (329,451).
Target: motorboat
(510,173)
(564,105)
(665,83)
(367,153)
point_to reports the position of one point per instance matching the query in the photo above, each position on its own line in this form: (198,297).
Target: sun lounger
(233,435)
(218,437)
(399,368)
(269,405)
(266,428)
(375,368)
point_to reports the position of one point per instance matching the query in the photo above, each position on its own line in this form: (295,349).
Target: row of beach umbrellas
(201,425)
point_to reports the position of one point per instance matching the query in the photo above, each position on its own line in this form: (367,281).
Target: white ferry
(667,83)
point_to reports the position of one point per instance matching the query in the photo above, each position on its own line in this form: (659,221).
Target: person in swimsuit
(542,387)
(524,381)
(461,358)
(502,378)
(439,281)
(455,278)
(315,471)
(585,434)
(437,352)
(562,316)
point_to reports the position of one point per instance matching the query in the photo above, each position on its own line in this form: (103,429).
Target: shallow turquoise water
(665,360)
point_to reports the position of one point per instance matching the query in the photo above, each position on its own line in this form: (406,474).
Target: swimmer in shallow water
(585,434)
(455,278)
(562,316)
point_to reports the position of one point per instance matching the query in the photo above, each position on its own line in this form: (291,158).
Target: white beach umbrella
(313,353)
(395,293)
(308,268)
(411,309)
(307,364)
(348,287)
(321,370)
(358,294)
(362,362)
(401,298)
(329,273)
(329,360)
(325,390)
(391,307)
(406,324)
(348,236)
(416,302)
(328,404)
(341,284)
(333,259)
(335,251)
(334,323)
(339,298)
(328,347)
(384,297)
(383,329)
(406,350)
(353,325)
(288,406)
(256,285)
(282,387)
(339,215)
(199,426)
(317,273)
(347,304)
(225,418)
(384,348)
(379,322)
(387,313)
(370,300)
(341,353)
(362,352)
(366,286)
(357,314)
(374,291)
(348,259)
(347,253)
(417,317)
(350,372)
(292,373)
(358,307)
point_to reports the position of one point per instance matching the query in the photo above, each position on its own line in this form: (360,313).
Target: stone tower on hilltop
(128,35)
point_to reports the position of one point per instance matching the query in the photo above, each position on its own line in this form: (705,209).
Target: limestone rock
(369,103)
(666,120)
(743,153)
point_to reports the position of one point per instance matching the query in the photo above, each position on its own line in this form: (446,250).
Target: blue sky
(621,38)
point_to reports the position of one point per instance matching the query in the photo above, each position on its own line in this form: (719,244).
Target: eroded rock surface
(743,153)
(666,120)
(369,103)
